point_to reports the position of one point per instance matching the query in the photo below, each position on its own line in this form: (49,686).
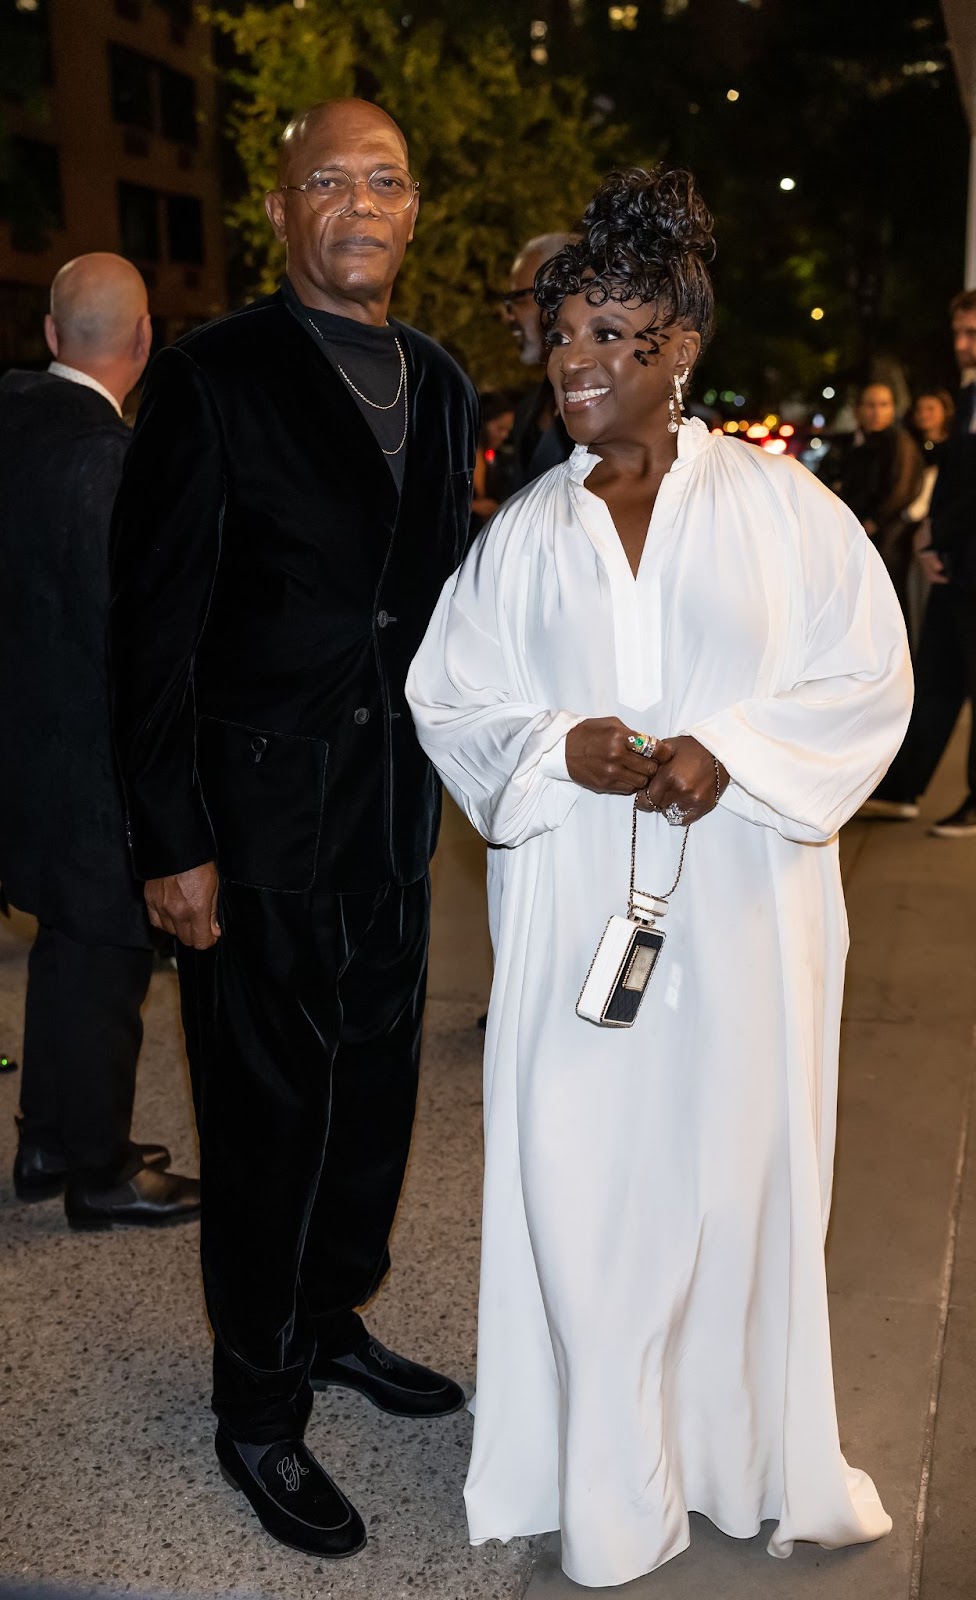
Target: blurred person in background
(945,667)
(881,476)
(932,417)
(539,437)
(494,462)
(930,425)
(63,852)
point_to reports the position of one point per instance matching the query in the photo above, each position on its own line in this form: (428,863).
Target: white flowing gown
(653,1331)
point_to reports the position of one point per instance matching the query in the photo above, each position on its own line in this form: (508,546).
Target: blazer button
(360,715)
(258,747)
(382,618)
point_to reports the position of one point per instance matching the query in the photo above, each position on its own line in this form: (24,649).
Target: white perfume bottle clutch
(627,954)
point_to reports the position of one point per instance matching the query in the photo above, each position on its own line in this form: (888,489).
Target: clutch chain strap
(664,898)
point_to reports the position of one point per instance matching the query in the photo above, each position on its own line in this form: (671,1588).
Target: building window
(25,49)
(178,11)
(31,199)
(177,106)
(132,87)
(139,222)
(184,228)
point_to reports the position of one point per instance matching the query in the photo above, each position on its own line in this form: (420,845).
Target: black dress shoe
(959,824)
(294,1498)
(39,1175)
(149,1199)
(402,1387)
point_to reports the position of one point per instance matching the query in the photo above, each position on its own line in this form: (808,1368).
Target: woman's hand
(598,757)
(685,778)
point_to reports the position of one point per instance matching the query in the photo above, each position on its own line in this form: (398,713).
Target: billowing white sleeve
(502,756)
(803,760)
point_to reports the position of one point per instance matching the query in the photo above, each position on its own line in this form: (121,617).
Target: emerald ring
(642,744)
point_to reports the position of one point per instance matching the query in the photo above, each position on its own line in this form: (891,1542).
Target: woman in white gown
(653,1316)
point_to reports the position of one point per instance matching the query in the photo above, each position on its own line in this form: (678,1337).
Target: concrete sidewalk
(107,1476)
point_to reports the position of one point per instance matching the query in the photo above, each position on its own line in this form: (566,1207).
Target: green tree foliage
(500,156)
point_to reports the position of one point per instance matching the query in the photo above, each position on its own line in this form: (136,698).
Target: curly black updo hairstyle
(645,236)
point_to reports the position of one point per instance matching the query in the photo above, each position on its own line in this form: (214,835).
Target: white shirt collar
(693,436)
(59,370)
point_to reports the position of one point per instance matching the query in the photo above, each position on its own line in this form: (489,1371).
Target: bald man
(296,495)
(539,439)
(63,854)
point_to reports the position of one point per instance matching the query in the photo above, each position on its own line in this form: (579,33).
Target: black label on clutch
(635,974)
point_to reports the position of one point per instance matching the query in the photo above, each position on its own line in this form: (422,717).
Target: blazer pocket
(264,793)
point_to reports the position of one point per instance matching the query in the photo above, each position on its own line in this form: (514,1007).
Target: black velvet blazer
(269,592)
(63,853)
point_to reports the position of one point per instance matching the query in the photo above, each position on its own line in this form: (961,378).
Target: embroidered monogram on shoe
(380,1356)
(291,1472)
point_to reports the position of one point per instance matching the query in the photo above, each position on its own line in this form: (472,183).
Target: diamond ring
(643,744)
(673,814)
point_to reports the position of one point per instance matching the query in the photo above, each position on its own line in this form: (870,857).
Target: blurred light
(743,426)
(538,30)
(716,430)
(819,420)
(694,108)
(28,5)
(829,393)
(738,400)
(540,54)
(776,447)
(771,420)
(623,17)
(733,94)
(787,430)
(489,454)
(298,4)
(815,444)
(758,430)
(817,313)
(787,183)
(731,427)
(710,396)
(727,395)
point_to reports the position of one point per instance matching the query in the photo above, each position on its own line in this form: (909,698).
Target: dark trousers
(945,678)
(82,1033)
(303,1034)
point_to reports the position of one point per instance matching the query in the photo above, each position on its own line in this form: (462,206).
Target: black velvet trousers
(82,1033)
(303,1034)
(945,678)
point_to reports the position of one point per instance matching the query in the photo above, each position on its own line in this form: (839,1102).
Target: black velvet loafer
(394,1384)
(149,1199)
(293,1497)
(39,1175)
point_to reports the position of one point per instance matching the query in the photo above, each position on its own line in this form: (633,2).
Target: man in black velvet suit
(63,854)
(296,495)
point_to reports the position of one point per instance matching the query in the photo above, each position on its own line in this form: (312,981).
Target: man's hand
(685,778)
(186,905)
(931,565)
(598,757)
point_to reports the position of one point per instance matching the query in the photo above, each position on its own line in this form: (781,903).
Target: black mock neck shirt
(367,357)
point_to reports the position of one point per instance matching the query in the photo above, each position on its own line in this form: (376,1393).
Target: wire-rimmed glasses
(330,191)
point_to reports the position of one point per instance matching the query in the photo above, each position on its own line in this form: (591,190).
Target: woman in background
(882,475)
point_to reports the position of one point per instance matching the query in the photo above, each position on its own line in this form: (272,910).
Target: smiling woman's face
(612,369)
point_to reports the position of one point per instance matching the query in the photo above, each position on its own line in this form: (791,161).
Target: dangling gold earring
(676,403)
